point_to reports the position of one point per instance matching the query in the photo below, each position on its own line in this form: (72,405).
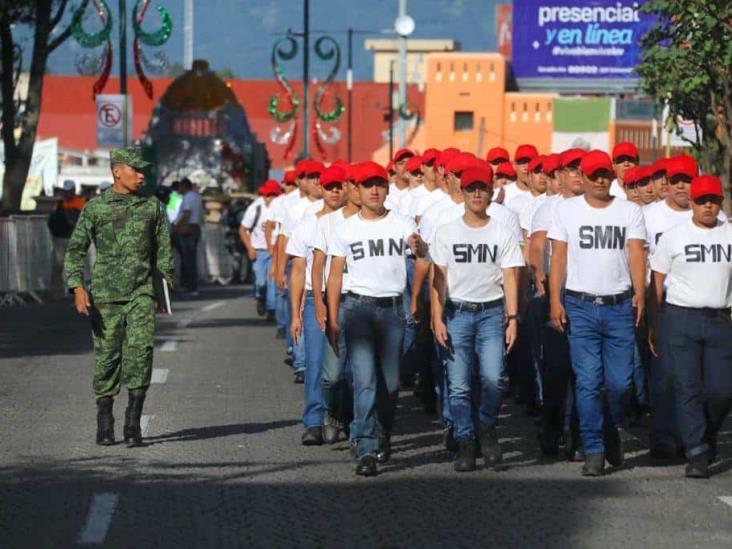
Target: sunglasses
(333,187)
(373,182)
(476,186)
(416,173)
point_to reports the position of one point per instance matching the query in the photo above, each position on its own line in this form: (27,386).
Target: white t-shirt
(421,203)
(474,258)
(698,265)
(542,221)
(192,202)
(616,190)
(300,210)
(512,191)
(527,213)
(254,220)
(301,244)
(375,253)
(327,225)
(430,218)
(394,196)
(660,217)
(597,255)
(409,197)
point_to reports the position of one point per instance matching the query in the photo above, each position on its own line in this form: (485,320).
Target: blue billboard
(577,39)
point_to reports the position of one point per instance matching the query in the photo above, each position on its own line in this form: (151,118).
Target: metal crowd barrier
(27,259)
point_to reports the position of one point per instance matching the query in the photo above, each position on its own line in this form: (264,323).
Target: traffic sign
(111,126)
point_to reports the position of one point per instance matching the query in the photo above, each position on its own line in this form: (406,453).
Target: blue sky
(238,34)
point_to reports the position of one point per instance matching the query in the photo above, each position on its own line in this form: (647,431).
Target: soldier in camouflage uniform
(130,233)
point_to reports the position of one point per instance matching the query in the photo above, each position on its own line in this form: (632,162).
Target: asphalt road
(224,467)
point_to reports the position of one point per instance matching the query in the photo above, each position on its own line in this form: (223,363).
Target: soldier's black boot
(132,429)
(105,421)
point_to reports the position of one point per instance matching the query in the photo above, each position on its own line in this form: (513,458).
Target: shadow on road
(218,431)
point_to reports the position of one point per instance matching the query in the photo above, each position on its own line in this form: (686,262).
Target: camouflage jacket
(131,237)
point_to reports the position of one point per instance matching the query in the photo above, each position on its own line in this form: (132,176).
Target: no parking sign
(110,120)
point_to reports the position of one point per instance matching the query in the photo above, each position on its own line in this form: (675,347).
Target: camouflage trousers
(123,335)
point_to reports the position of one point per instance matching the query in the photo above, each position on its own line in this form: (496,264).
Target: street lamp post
(404,26)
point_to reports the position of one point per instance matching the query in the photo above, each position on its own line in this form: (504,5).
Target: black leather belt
(395,301)
(471,307)
(704,311)
(601,299)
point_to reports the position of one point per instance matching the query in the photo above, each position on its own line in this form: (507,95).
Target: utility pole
(123,67)
(402,74)
(391,109)
(305,76)
(349,87)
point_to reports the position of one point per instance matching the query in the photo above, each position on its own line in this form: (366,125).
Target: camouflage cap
(132,156)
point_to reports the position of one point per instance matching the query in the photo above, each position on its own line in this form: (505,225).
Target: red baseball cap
(460,162)
(370,170)
(644,172)
(315,167)
(632,176)
(536,163)
(414,164)
(682,165)
(402,153)
(289,177)
(430,155)
(506,170)
(269,187)
(476,174)
(332,174)
(571,155)
(705,185)
(626,148)
(445,156)
(301,167)
(525,152)
(658,168)
(594,161)
(351,172)
(551,163)
(497,154)
(390,166)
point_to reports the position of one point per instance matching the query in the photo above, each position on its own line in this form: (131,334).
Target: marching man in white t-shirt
(372,244)
(693,261)
(304,325)
(598,242)
(475,313)
(337,393)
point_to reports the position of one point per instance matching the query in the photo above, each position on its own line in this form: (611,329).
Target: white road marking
(145,423)
(726,499)
(183,323)
(159,375)
(99,518)
(212,306)
(169,346)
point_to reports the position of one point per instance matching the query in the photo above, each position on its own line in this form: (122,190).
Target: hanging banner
(578,39)
(42,173)
(504,29)
(110,120)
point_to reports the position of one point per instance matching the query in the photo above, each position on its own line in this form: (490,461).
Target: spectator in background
(61,223)
(172,207)
(187,228)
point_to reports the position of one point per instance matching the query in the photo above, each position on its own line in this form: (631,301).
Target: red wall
(68,112)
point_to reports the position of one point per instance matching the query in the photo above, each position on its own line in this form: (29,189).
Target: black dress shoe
(313,436)
(105,421)
(367,466)
(614,446)
(288,361)
(448,439)
(261,307)
(270,316)
(465,460)
(490,446)
(280,334)
(594,465)
(299,378)
(698,466)
(331,430)
(384,452)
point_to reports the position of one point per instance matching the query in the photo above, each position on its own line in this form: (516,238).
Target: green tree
(687,63)
(45,17)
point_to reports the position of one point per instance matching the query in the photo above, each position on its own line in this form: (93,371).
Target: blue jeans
(479,334)
(337,391)
(264,289)
(315,343)
(187,244)
(374,337)
(298,350)
(602,348)
(282,309)
(699,348)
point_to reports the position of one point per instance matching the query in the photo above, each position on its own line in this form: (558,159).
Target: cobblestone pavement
(224,467)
